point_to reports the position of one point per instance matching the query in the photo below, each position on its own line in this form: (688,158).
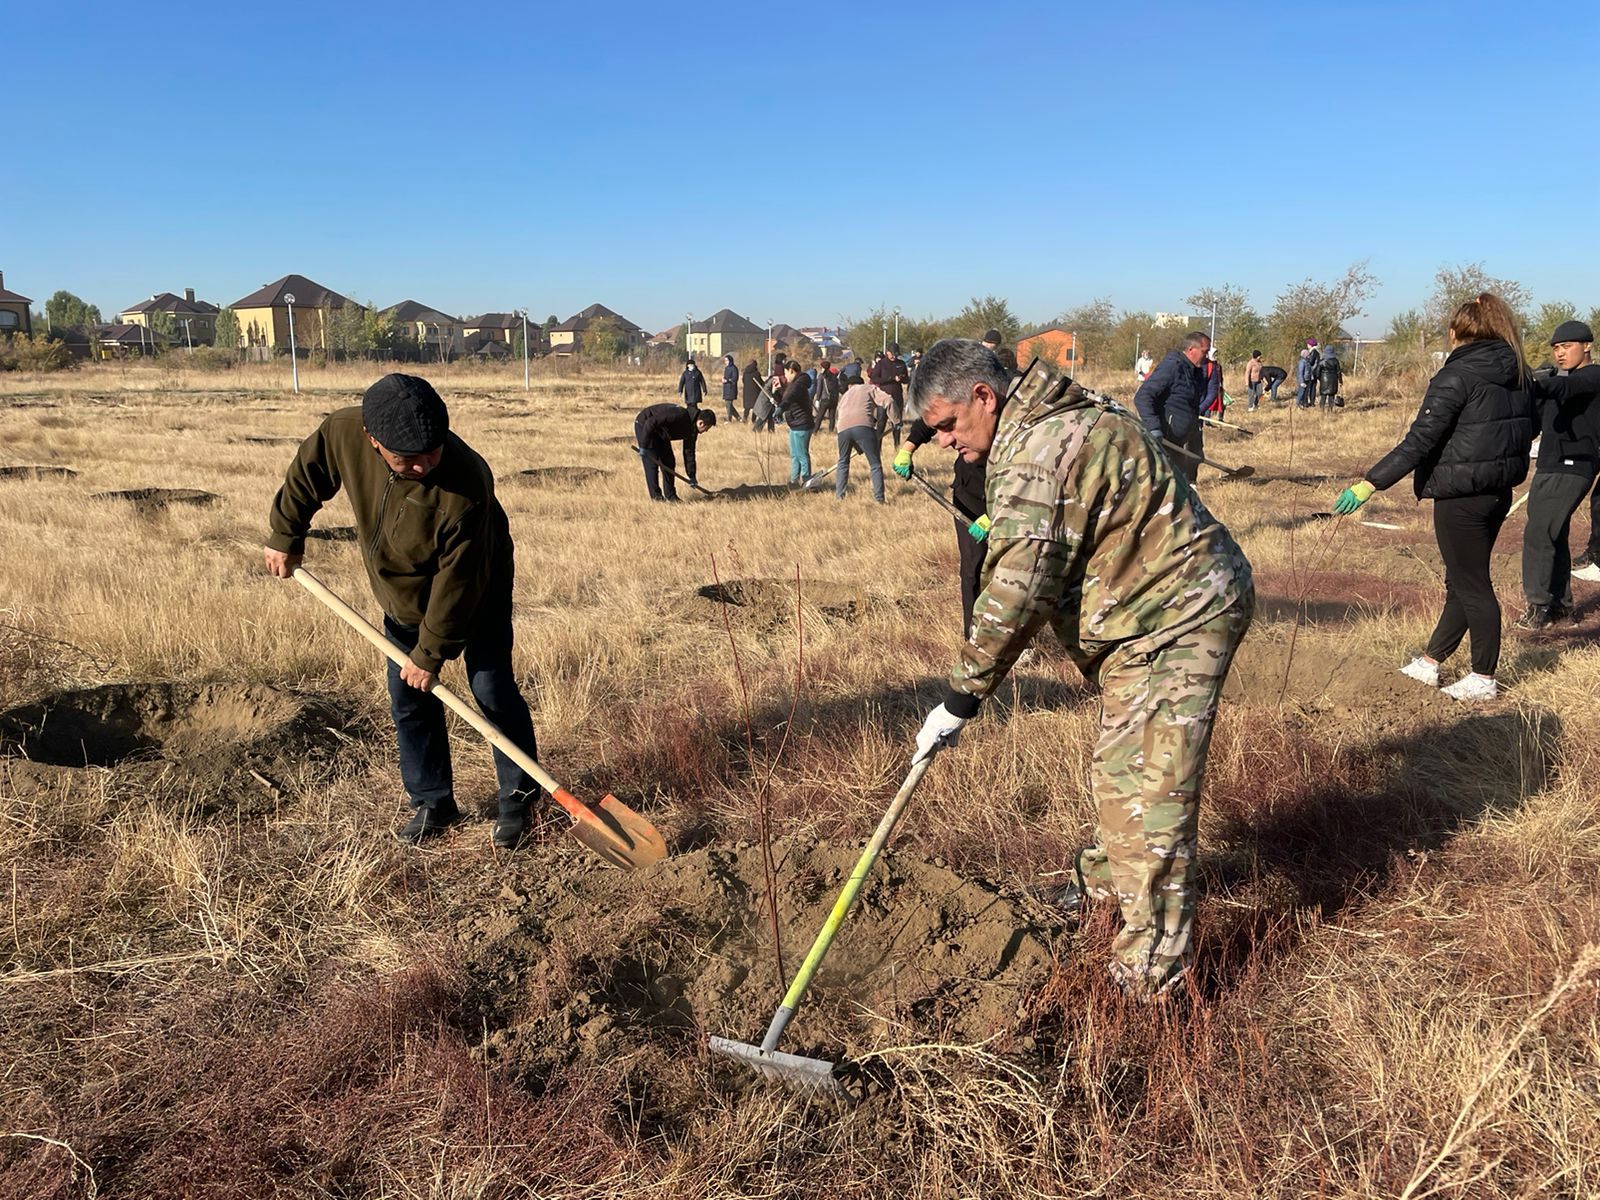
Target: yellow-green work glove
(1353,497)
(979,529)
(902,462)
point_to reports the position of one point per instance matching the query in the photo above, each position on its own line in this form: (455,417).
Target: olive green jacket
(434,547)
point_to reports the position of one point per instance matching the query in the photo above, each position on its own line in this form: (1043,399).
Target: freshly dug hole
(196,737)
(36,472)
(559,476)
(596,965)
(153,500)
(773,599)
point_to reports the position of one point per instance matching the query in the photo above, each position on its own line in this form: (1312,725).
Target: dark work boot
(429,822)
(510,824)
(1538,616)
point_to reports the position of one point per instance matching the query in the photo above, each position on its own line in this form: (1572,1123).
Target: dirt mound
(757,491)
(560,476)
(206,740)
(36,472)
(333,533)
(773,599)
(1331,687)
(596,966)
(154,500)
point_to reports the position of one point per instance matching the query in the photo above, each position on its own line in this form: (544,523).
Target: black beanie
(1572,331)
(405,414)
(993,336)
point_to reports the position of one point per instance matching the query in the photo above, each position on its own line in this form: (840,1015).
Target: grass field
(221,976)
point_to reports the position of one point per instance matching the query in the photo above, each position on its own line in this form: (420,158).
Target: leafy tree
(1316,310)
(1093,323)
(1454,286)
(864,335)
(980,316)
(165,328)
(37,353)
(1551,313)
(1227,301)
(65,311)
(1246,331)
(227,330)
(604,340)
(379,334)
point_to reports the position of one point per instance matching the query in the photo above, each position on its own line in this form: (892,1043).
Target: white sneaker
(1473,687)
(1590,573)
(1422,671)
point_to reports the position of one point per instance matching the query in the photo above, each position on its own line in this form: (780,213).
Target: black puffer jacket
(795,406)
(1472,436)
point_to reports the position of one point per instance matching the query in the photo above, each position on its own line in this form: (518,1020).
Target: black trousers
(1466,528)
(659,464)
(733,413)
(972,554)
(1553,497)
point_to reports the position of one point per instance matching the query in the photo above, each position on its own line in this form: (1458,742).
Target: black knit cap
(405,414)
(1572,331)
(993,336)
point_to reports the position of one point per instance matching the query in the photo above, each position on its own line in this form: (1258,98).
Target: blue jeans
(419,716)
(799,454)
(863,440)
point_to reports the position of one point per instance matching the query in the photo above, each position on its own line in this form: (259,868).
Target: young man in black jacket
(654,430)
(1569,455)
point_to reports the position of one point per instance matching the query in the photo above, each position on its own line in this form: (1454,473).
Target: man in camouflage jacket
(1094,534)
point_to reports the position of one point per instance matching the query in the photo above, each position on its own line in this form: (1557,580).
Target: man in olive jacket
(437,548)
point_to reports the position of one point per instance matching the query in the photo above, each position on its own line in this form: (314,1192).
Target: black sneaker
(1583,560)
(1538,616)
(1566,614)
(429,822)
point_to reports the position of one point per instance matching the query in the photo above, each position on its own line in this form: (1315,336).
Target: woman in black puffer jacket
(1466,450)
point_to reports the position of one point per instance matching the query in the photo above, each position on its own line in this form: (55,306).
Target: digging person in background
(438,553)
(1252,380)
(654,431)
(858,433)
(754,389)
(1467,449)
(1097,536)
(1569,454)
(890,374)
(1170,400)
(795,408)
(691,385)
(826,396)
(1273,378)
(730,386)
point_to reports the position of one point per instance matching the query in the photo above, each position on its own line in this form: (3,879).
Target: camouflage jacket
(1094,533)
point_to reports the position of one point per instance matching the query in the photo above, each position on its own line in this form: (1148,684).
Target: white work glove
(941,729)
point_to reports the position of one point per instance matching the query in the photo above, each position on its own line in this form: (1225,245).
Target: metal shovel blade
(812,1076)
(1243,472)
(617,834)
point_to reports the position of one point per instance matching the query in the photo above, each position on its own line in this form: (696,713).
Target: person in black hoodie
(1569,454)
(730,386)
(1466,450)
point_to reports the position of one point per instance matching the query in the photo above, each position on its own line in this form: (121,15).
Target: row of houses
(263,319)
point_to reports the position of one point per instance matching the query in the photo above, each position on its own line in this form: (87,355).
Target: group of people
(1081,519)
(1468,447)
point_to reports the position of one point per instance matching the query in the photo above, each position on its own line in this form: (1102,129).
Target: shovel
(814,482)
(1229,425)
(1328,516)
(1229,472)
(939,499)
(611,829)
(682,479)
(815,1075)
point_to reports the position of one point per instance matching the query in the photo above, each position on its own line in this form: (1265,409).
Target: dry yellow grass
(1398,939)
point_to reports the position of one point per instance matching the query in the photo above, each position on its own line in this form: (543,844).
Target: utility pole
(525,377)
(896,324)
(294,358)
(688,334)
(769,347)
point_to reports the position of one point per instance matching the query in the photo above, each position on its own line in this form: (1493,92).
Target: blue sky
(799,164)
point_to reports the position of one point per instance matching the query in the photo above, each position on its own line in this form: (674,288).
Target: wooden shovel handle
(451,701)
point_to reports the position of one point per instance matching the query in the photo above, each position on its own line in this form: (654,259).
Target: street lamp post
(896,324)
(526,384)
(688,333)
(187,340)
(770,323)
(885,346)
(294,358)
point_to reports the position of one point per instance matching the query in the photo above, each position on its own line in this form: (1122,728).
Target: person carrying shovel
(438,552)
(1096,534)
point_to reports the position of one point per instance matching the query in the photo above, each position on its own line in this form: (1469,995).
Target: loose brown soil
(154,500)
(774,599)
(211,743)
(602,965)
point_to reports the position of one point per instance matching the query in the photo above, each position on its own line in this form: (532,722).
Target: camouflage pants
(1156,711)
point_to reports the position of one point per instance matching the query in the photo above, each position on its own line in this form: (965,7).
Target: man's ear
(985,395)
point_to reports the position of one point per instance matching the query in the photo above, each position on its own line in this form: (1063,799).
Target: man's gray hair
(952,368)
(1198,337)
